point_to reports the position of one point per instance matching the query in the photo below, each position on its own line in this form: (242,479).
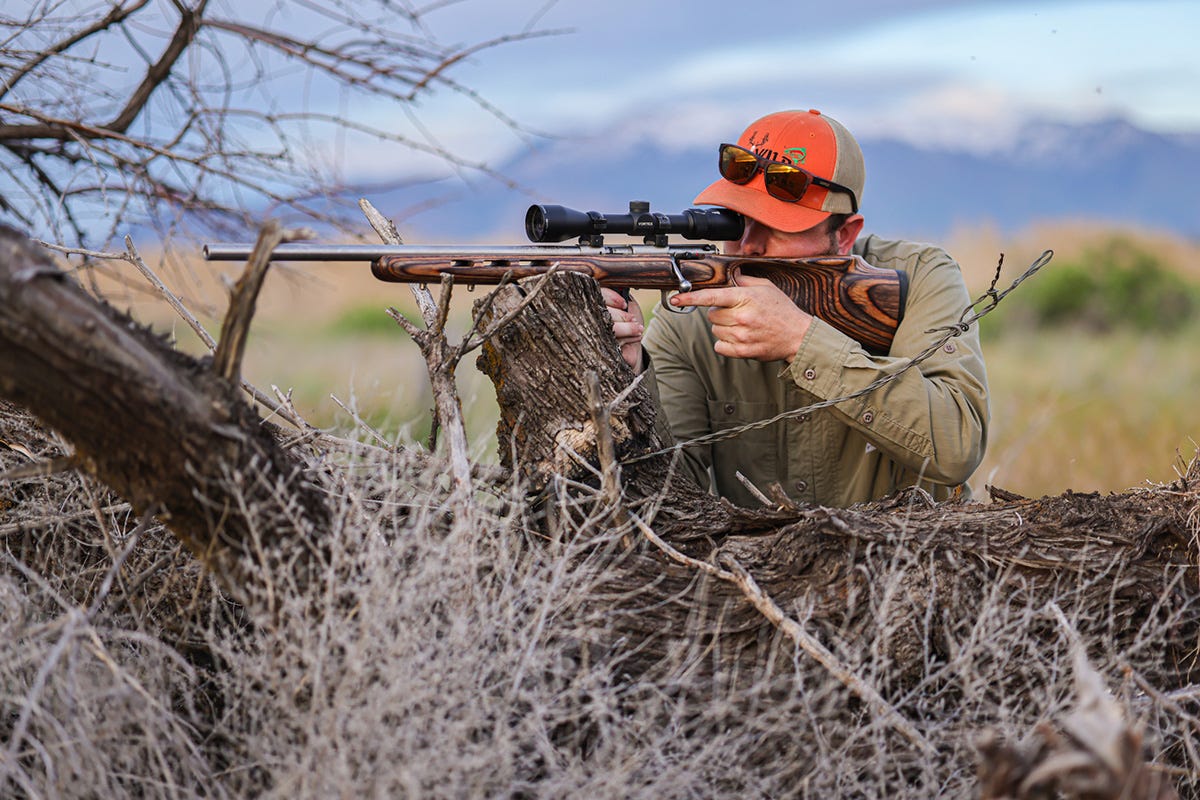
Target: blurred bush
(364,320)
(1117,285)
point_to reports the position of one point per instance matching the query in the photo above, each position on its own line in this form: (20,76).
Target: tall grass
(456,657)
(1091,368)
(1075,411)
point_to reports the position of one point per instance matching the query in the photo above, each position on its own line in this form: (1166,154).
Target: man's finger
(718,315)
(628,329)
(613,299)
(732,334)
(723,298)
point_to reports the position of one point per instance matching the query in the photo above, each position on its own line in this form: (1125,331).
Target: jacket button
(730,408)
(868,417)
(801,486)
(809,374)
(950,347)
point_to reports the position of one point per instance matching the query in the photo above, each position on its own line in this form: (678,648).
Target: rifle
(863,301)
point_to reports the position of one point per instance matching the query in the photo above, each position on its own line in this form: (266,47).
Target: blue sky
(960,73)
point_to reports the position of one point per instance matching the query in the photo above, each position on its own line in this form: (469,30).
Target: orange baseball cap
(806,139)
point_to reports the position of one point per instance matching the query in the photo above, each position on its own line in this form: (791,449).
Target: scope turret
(559,223)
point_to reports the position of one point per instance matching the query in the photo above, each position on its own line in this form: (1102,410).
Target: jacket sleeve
(933,418)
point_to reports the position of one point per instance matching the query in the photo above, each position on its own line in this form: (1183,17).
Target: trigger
(667,294)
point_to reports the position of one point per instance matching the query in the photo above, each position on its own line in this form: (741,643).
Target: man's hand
(628,326)
(754,319)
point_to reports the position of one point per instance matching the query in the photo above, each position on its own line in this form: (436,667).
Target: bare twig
(41,469)
(736,574)
(606,451)
(360,421)
(133,257)
(440,363)
(227,358)
(389,234)
(754,490)
(116,15)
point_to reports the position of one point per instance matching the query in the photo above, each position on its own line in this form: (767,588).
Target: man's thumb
(742,279)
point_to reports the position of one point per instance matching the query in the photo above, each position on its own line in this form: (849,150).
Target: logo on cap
(797,155)
(754,145)
(790,155)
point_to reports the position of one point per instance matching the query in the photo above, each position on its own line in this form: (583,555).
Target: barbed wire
(970,315)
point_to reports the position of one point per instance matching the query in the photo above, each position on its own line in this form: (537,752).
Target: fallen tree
(1125,549)
(167,433)
(680,591)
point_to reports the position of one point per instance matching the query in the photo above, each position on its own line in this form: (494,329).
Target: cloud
(968,74)
(1044,55)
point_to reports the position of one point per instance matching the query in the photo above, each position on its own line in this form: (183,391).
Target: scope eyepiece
(559,223)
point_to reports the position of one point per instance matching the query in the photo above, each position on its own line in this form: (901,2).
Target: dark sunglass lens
(737,165)
(785,183)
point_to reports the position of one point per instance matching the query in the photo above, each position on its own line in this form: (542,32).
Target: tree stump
(545,425)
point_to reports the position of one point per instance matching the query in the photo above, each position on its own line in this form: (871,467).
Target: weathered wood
(538,364)
(161,429)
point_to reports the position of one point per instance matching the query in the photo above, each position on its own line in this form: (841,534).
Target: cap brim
(756,204)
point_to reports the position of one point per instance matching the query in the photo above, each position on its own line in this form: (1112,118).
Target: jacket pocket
(754,452)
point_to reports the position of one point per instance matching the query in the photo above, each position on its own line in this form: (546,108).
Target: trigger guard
(667,294)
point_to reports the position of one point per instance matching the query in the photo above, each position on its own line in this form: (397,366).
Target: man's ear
(848,233)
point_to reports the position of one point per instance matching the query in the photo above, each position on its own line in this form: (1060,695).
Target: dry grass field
(450,655)
(1071,409)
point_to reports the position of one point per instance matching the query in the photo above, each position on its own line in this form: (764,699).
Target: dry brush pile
(581,632)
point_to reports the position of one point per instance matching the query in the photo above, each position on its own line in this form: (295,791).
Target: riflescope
(559,223)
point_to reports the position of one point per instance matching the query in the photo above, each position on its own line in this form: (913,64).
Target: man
(754,354)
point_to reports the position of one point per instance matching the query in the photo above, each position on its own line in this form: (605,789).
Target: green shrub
(1117,285)
(369,320)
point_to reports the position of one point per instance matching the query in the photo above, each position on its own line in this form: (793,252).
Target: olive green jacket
(928,427)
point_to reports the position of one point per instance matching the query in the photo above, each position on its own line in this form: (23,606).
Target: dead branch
(157,428)
(440,362)
(1093,753)
(165,141)
(227,358)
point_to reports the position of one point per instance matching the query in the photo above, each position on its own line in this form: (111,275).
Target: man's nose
(753,242)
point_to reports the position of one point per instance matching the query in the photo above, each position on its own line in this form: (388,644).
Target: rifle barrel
(451,252)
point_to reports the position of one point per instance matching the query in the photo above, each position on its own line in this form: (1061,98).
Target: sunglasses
(783,181)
